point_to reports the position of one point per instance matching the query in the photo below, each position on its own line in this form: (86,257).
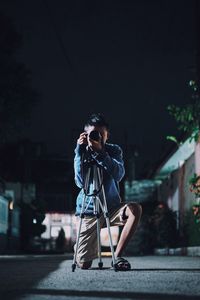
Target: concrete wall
(175,189)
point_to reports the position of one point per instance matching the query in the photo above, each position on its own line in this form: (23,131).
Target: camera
(95,135)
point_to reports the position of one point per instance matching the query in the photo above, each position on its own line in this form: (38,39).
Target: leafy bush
(164,222)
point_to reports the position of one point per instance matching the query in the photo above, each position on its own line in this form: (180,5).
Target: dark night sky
(127,59)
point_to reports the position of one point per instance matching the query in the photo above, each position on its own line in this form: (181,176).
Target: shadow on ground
(19,274)
(97,294)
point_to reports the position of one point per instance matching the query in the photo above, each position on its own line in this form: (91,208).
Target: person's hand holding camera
(92,144)
(82,140)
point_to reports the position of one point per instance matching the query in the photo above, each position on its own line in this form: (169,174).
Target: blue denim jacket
(112,165)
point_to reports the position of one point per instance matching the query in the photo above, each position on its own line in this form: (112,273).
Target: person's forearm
(78,171)
(113,166)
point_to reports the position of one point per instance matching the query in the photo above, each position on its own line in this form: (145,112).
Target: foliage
(188,119)
(188,116)
(17,96)
(194,182)
(173,139)
(164,222)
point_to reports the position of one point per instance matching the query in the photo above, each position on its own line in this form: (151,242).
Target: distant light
(160,206)
(191,82)
(34,221)
(11,204)
(181,163)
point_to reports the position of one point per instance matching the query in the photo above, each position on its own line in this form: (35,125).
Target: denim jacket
(110,161)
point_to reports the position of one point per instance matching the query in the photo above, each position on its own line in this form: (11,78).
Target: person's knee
(135,209)
(85,265)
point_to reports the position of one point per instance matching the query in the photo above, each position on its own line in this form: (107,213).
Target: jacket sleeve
(78,176)
(113,163)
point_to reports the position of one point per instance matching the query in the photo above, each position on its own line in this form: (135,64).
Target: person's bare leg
(133,214)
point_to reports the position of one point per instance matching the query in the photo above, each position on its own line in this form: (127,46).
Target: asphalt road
(50,277)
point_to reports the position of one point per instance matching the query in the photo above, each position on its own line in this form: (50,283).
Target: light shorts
(88,244)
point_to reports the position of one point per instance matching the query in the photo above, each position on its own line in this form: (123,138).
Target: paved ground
(50,277)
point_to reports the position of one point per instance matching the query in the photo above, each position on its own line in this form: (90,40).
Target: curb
(36,256)
(186,251)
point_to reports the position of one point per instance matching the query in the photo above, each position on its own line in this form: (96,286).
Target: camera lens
(95,135)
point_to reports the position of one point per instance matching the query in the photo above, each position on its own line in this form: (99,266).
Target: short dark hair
(97,119)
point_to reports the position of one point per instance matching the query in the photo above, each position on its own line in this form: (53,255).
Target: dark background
(126,59)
